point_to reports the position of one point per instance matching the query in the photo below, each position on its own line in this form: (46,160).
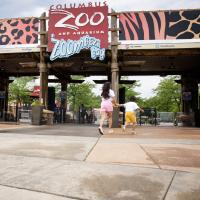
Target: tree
(168,96)
(82,94)
(18,90)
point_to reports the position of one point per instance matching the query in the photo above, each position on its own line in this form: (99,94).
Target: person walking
(131,108)
(82,114)
(107,102)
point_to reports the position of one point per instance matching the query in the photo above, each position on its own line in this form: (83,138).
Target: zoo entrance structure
(161,43)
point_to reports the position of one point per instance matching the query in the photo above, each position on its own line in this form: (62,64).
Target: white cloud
(148,83)
(36,12)
(128,5)
(20,8)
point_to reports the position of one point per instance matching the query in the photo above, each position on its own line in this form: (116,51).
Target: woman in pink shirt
(108,99)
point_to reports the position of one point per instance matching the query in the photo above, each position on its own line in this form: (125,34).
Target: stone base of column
(115,118)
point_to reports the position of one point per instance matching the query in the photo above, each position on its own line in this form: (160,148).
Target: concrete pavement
(70,162)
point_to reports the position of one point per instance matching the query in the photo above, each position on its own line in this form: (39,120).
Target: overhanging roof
(131,62)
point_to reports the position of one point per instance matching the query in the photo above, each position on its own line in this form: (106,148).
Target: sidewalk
(12,125)
(155,147)
(66,162)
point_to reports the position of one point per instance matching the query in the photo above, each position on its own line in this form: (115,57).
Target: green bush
(36,103)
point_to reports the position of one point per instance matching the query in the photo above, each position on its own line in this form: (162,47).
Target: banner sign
(65,49)
(36,91)
(160,25)
(19,35)
(160,29)
(74,23)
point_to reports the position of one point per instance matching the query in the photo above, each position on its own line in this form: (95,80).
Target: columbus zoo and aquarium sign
(76,28)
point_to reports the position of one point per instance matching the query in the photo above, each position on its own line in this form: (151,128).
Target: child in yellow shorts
(130,113)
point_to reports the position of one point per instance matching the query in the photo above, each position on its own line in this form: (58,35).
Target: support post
(190,97)
(114,66)
(4,84)
(114,53)
(63,100)
(42,64)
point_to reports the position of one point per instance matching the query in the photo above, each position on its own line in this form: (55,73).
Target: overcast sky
(26,8)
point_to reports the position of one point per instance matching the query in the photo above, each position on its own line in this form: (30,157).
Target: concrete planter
(37,115)
(48,115)
(186,120)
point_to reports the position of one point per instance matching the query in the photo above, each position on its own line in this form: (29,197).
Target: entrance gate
(149,43)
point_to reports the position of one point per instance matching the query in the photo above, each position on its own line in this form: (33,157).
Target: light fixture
(29,64)
(134,62)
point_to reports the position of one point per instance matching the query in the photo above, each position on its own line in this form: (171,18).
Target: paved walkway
(68,162)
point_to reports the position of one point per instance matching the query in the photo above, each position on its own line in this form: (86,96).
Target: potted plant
(37,112)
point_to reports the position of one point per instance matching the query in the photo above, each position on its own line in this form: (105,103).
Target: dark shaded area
(195,28)
(28,39)
(4,39)
(14,23)
(191,15)
(19,34)
(26,21)
(27,28)
(121,32)
(151,26)
(35,38)
(2,30)
(177,28)
(173,16)
(14,31)
(186,35)
(35,20)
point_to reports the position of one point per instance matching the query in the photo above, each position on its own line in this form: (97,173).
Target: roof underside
(131,62)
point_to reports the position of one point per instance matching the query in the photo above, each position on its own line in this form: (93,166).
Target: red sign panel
(73,23)
(36,91)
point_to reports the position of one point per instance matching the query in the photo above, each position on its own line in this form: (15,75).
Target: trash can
(48,116)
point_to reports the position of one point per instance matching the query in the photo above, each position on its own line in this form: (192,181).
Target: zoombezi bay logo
(67,48)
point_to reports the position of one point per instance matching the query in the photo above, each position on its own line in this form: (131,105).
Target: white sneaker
(123,127)
(100,130)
